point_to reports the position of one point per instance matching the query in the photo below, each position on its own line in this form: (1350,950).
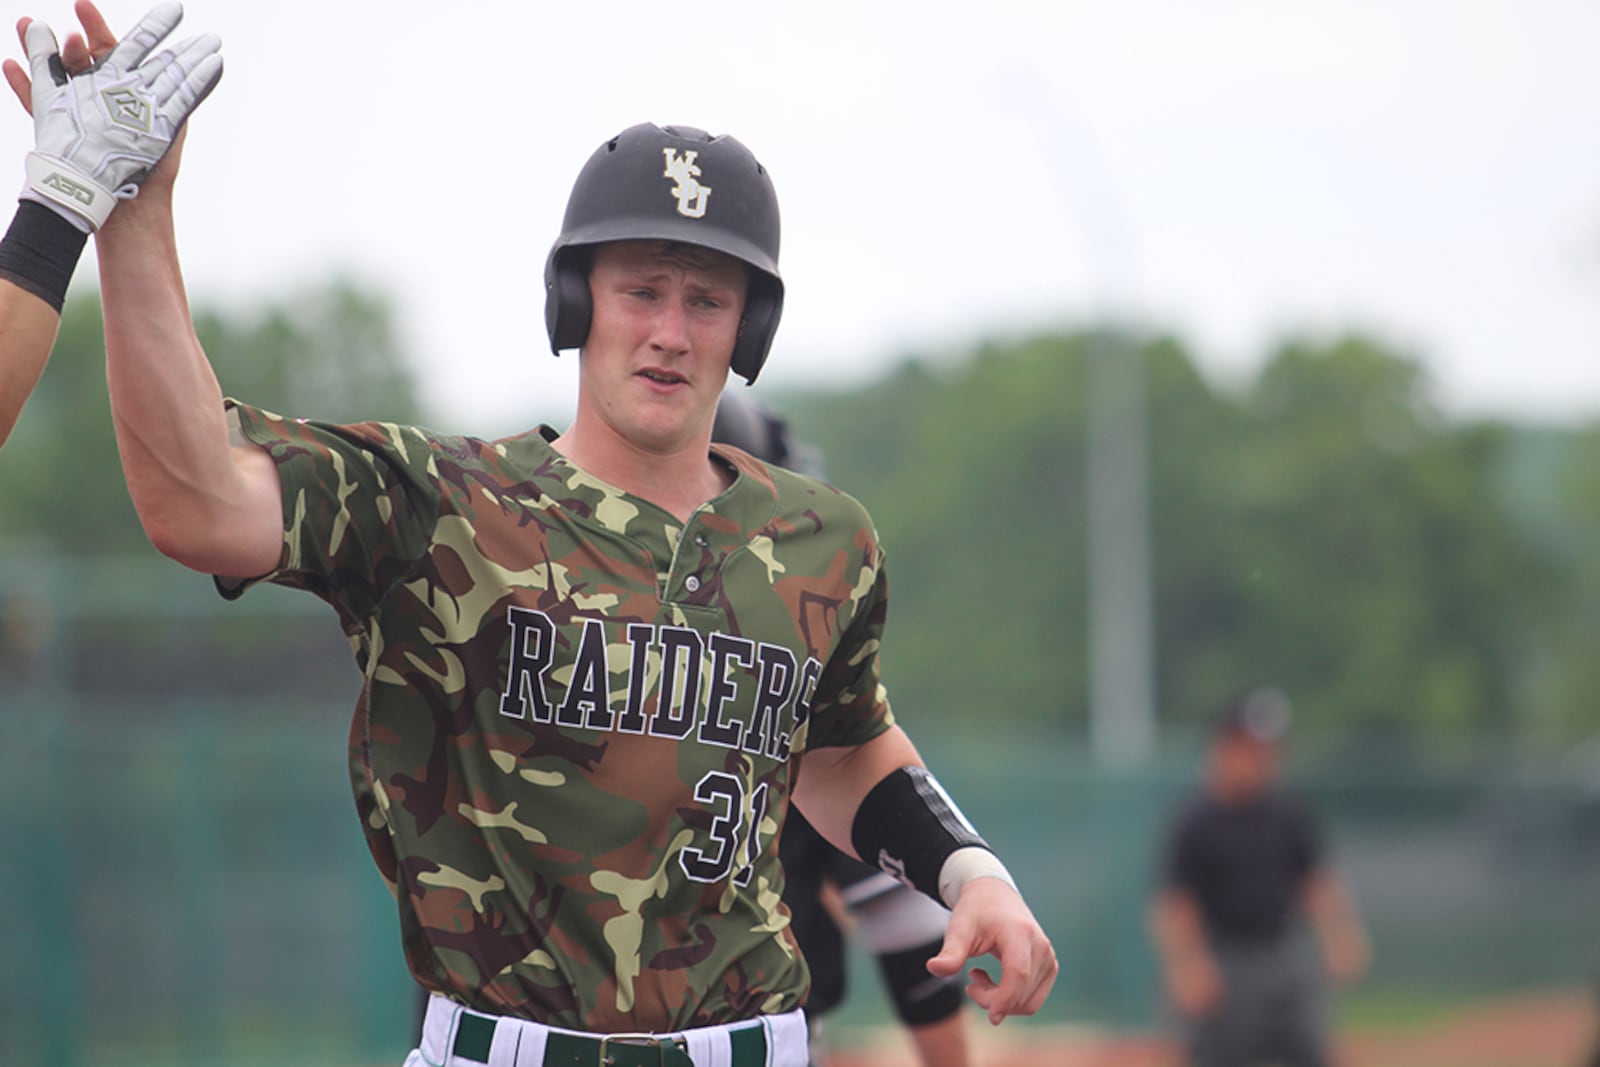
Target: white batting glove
(97,134)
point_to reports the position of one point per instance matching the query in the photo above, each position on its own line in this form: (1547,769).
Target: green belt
(475,1033)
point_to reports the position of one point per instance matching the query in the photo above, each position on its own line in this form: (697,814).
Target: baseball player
(903,928)
(95,138)
(598,663)
(1244,865)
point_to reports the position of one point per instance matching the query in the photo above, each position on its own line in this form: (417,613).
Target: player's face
(665,320)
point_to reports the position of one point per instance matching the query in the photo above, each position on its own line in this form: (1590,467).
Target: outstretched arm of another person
(1340,932)
(41,247)
(27,333)
(880,791)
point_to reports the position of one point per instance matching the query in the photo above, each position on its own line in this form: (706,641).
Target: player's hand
(98,133)
(990,917)
(80,50)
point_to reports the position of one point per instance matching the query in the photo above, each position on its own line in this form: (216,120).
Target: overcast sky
(1225,170)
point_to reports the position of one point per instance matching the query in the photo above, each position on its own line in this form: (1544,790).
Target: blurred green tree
(1567,520)
(974,473)
(1322,528)
(1362,554)
(328,352)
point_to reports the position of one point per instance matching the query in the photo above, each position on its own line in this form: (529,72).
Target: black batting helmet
(672,183)
(762,432)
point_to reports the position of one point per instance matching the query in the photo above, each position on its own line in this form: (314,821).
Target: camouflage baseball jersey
(580,718)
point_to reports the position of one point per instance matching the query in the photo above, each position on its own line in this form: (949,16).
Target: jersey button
(692,584)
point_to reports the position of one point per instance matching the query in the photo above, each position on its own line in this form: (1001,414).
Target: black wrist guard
(908,826)
(40,251)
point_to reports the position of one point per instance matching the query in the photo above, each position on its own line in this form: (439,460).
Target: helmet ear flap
(568,304)
(762,308)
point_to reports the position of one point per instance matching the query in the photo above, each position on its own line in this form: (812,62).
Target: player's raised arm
(41,247)
(204,502)
(880,803)
(208,503)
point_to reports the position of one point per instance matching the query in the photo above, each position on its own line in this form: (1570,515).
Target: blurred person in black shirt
(1244,873)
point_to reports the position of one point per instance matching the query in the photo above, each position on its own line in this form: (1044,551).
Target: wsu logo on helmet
(691,194)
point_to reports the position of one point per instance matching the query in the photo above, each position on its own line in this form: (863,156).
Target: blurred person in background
(827,891)
(1244,871)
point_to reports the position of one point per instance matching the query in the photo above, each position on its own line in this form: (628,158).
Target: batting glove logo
(692,196)
(69,188)
(127,108)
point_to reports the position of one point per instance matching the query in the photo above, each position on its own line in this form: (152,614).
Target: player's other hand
(99,131)
(991,918)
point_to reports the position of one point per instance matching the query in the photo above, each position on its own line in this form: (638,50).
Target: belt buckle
(640,1040)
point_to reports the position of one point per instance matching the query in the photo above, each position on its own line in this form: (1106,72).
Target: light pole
(1121,637)
(1121,697)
